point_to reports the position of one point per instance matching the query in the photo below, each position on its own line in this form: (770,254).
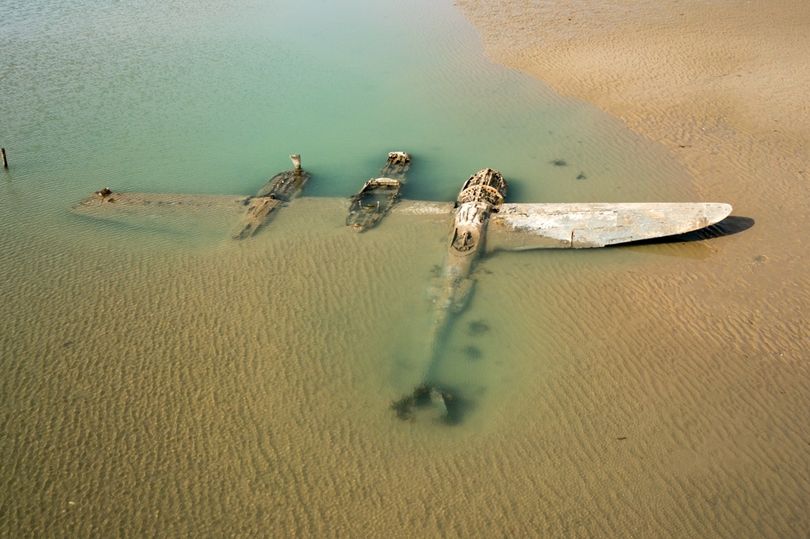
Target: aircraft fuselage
(479,197)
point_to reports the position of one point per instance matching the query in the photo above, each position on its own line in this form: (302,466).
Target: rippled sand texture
(155,387)
(151,387)
(159,378)
(704,362)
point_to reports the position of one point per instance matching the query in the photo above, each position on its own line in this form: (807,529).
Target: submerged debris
(421,395)
(473,353)
(559,162)
(403,407)
(582,176)
(279,190)
(477,327)
(425,395)
(396,166)
(372,202)
(378,195)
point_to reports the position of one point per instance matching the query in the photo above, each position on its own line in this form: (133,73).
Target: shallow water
(158,376)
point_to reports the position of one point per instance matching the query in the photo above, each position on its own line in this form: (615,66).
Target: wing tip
(721,211)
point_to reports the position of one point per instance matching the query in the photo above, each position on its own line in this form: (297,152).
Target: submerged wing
(152,209)
(241,215)
(256,211)
(253,211)
(583,225)
(423,207)
(114,203)
(164,211)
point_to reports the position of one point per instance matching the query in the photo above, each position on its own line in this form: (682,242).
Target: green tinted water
(165,374)
(212,97)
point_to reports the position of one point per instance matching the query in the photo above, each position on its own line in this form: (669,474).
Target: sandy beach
(723,87)
(161,379)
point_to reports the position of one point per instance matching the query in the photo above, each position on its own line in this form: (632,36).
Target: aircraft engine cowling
(486,185)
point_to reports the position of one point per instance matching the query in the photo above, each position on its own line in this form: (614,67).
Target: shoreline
(723,88)
(683,75)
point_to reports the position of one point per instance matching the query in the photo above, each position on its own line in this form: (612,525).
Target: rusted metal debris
(481,219)
(372,203)
(480,195)
(278,190)
(377,196)
(448,406)
(396,166)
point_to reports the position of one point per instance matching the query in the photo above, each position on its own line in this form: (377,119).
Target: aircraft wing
(156,202)
(423,207)
(583,225)
(165,211)
(245,214)
(256,211)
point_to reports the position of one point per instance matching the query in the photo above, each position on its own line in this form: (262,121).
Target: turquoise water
(165,379)
(211,97)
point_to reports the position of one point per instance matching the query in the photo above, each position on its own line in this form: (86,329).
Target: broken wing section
(242,215)
(159,210)
(423,207)
(585,225)
(113,203)
(256,211)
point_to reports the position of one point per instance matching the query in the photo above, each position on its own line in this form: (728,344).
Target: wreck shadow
(733,224)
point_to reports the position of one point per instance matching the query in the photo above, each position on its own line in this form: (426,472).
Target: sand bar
(722,85)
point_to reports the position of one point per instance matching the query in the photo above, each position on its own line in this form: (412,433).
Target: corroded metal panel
(586,225)
(256,210)
(378,195)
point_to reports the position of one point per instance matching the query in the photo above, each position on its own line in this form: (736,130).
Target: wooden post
(5,159)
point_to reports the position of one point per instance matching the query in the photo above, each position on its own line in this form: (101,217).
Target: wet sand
(704,360)
(160,384)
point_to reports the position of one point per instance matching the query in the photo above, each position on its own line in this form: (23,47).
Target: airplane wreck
(378,195)
(482,222)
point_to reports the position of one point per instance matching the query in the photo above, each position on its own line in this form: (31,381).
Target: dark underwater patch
(477,327)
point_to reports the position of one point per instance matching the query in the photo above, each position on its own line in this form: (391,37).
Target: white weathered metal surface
(584,225)
(422,207)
